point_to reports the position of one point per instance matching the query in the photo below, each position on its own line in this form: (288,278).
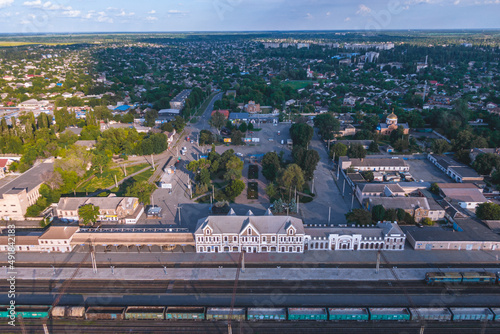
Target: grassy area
(144,176)
(297,84)
(204,105)
(101,181)
(135,168)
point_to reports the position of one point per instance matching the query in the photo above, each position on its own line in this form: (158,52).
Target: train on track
(474,277)
(197,313)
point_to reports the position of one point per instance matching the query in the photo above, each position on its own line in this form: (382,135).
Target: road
(172,200)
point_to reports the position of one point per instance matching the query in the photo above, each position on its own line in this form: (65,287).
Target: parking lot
(423,169)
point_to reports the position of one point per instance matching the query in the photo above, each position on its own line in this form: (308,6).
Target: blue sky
(34,16)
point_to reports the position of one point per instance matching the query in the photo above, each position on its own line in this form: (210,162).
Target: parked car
(239,154)
(270,139)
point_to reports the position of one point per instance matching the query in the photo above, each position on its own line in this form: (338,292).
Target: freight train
(475,277)
(197,313)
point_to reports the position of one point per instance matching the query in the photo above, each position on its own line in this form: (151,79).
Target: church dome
(392,116)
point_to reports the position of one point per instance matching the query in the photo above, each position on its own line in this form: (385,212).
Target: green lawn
(297,84)
(135,168)
(144,176)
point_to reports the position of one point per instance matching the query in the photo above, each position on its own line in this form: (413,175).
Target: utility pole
(378,262)
(153,160)
(179,208)
(352,200)
(329,213)
(312,188)
(343,189)
(116,182)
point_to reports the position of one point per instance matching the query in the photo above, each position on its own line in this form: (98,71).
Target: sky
(39,16)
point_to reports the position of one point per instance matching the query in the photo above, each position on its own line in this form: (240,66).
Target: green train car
(356,314)
(263,313)
(185,313)
(27,312)
(390,313)
(307,313)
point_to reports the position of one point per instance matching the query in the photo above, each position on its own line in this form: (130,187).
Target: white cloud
(151,18)
(36,3)
(103,17)
(363,10)
(176,11)
(328,13)
(152,12)
(309,16)
(5,3)
(347,19)
(123,13)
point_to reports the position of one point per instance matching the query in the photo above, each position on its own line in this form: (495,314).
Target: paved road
(327,193)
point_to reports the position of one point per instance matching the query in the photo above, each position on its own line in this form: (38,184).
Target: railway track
(245,327)
(298,287)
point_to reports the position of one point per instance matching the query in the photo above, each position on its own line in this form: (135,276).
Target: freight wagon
(310,313)
(185,313)
(430,314)
(254,314)
(472,277)
(145,312)
(471,313)
(339,314)
(73,312)
(219,313)
(105,313)
(390,313)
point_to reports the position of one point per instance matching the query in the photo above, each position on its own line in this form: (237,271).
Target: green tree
(243,127)
(167,127)
(327,125)
(427,221)
(378,213)
(88,214)
(485,163)
(234,168)
(206,137)
(237,137)
(356,151)
(217,121)
(234,189)
(292,177)
(270,166)
(301,134)
(440,146)
(373,147)
(100,161)
(310,163)
(179,124)
(434,188)
(271,190)
(359,216)
(368,176)
(338,150)
(142,190)
(488,211)
(150,117)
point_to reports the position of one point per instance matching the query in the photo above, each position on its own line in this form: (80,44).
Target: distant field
(5,43)
(297,84)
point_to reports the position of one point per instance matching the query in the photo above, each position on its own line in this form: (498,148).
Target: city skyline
(39,16)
